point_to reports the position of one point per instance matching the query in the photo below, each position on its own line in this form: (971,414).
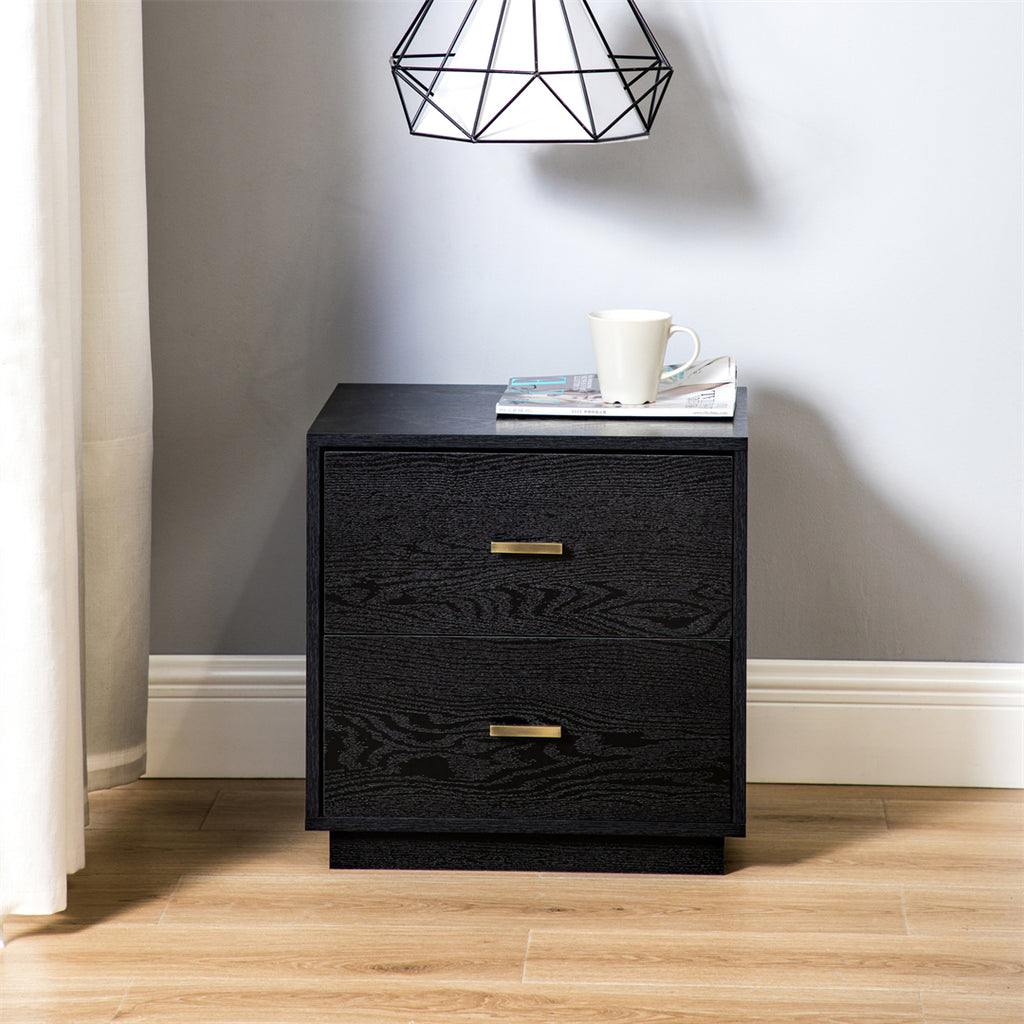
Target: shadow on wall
(252,279)
(693,161)
(834,573)
(271,593)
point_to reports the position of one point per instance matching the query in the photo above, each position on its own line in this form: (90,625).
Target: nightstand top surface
(463,416)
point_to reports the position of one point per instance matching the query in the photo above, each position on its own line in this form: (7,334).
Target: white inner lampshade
(530,70)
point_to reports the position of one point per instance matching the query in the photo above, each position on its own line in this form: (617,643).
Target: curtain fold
(117,394)
(75,431)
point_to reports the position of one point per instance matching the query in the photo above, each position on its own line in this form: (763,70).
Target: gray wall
(831,195)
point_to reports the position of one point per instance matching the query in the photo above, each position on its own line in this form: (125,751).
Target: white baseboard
(886,723)
(227,717)
(838,722)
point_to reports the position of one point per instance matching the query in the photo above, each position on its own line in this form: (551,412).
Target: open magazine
(706,389)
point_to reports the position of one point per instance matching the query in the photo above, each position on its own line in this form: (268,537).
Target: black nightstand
(526,635)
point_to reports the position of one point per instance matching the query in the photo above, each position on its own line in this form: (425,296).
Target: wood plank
(156,850)
(282,953)
(922,963)
(508,899)
(952,818)
(954,1009)
(257,810)
(333,1001)
(954,910)
(45,997)
(901,857)
(95,897)
(262,785)
(812,792)
(147,807)
(828,818)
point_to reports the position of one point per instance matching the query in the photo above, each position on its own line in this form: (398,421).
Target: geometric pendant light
(530,71)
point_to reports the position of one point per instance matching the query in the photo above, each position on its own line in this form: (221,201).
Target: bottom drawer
(645,741)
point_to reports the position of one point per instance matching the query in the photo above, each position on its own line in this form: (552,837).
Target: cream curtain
(75,431)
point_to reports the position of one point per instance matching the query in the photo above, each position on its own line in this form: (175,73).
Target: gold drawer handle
(526,547)
(542,731)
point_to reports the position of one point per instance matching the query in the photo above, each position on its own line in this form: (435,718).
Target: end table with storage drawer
(526,635)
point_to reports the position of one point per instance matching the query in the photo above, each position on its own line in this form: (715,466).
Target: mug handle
(677,370)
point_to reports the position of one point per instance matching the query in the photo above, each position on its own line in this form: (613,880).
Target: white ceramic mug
(629,346)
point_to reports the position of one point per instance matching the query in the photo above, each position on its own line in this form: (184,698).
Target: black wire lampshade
(530,71)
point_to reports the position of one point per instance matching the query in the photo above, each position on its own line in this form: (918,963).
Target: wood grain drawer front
(646,734)
(646,544)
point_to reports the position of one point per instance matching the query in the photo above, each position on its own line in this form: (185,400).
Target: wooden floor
(205,901)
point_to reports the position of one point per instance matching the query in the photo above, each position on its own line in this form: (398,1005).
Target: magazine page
(707,388)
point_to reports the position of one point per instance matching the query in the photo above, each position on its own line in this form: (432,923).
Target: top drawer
(646,544)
